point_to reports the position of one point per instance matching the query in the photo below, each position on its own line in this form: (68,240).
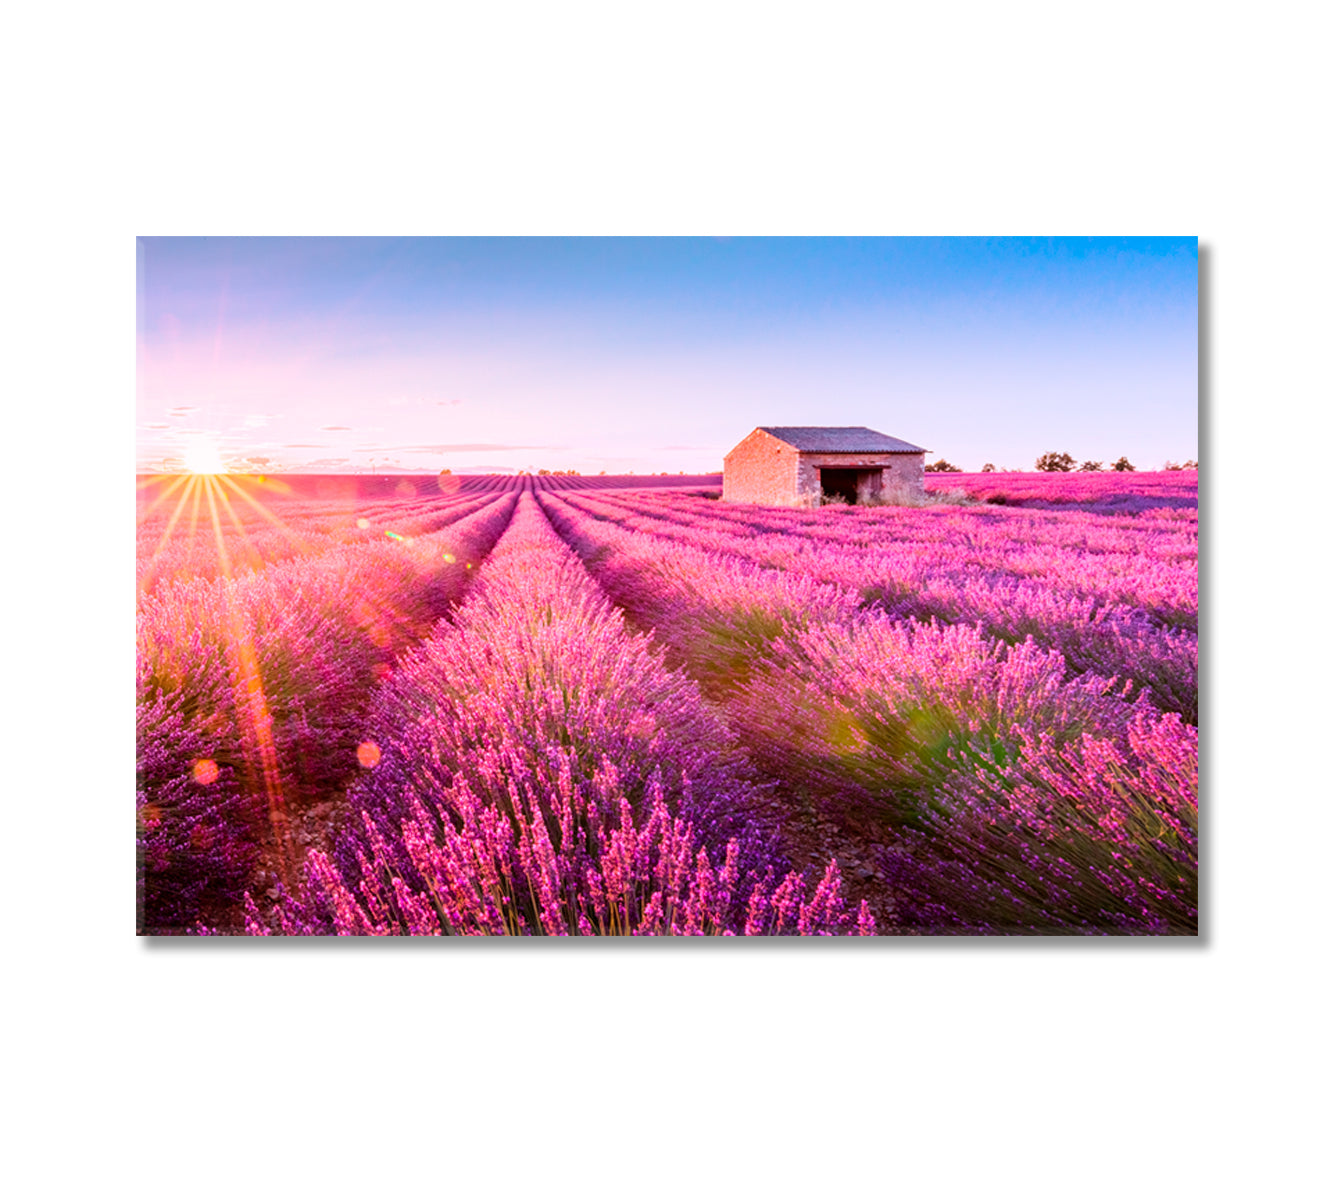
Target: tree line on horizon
(1058,461)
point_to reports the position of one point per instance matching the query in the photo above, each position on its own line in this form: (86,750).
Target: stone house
(796,464)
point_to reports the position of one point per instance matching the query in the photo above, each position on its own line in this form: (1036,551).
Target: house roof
(840,439)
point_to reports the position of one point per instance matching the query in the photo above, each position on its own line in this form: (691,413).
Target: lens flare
(205,771)
(368,754)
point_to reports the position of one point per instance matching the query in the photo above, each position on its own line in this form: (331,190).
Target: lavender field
(596,705)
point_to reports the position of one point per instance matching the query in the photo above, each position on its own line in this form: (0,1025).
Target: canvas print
(657,587)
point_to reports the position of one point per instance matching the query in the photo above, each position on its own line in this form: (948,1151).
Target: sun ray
(256,557)
(209,487)
(248,686)
(148,512)
(148,575)
(295,538)
(194,511)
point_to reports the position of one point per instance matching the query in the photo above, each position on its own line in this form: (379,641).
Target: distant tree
(1051,461)
(1169,465)
(941,465)
(1190,465)
(446,471)
(543,471)
(988,466)
(1090,465)
(1123,464)
(602,472)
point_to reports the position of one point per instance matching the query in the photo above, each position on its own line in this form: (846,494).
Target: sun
(202,458)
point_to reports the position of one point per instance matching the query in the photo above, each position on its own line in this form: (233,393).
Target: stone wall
(904,472)
(760,470)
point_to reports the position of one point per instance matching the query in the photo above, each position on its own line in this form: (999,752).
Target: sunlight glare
(202,458)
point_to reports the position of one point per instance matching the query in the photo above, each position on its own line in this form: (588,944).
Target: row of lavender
(253,687)
(222,528)
(886,760)
(1118,596)
(1146,559)
(202,526)
(1095,491)
(562,483)
(537,769)
(1016,790)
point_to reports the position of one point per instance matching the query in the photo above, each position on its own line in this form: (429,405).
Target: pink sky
(504,354)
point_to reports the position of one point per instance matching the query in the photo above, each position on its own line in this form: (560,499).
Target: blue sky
(621,354)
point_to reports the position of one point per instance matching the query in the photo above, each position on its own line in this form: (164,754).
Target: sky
(333,355)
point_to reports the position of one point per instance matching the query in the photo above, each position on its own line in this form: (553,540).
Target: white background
(910,1068)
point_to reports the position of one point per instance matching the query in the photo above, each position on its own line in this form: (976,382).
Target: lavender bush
(935,733)
(1118,602)
(197,834)
(539,770)
(609,722)
(1091,837)
(269,675)
(578,863)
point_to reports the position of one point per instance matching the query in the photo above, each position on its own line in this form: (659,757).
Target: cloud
(157,426)
(304,446)
(326,462)
(462,447)
(185,408)
(256,421)
(331,428)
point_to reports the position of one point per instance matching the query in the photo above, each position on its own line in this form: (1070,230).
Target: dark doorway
(839,483)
